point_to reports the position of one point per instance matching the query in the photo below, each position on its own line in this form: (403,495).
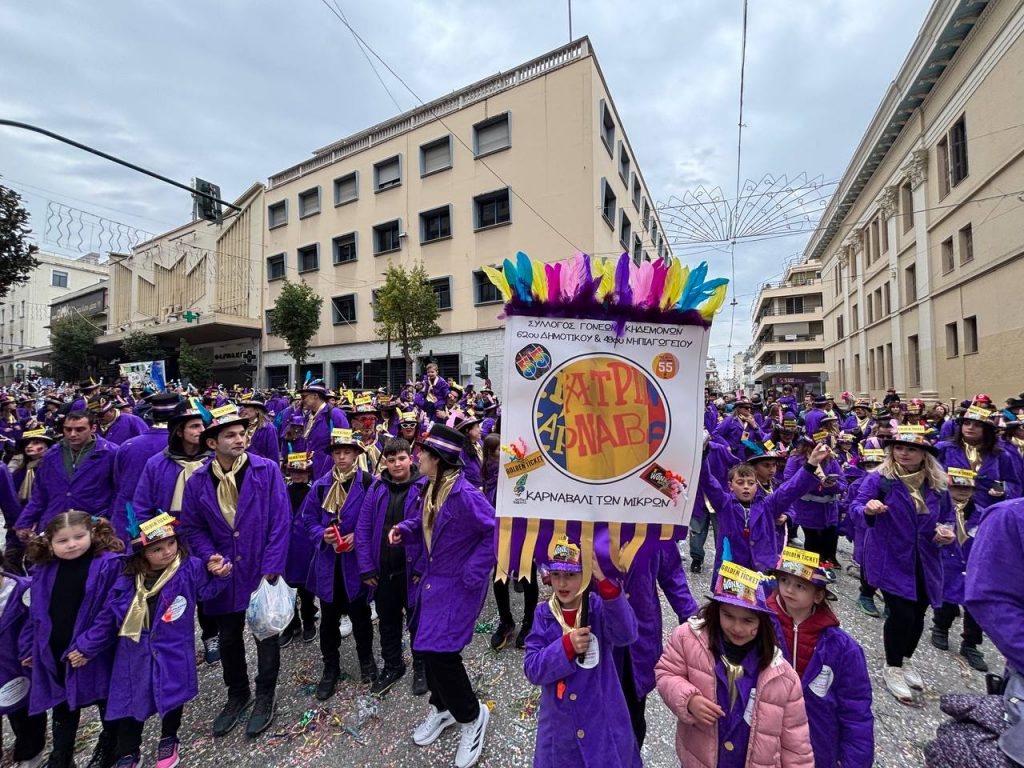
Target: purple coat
(370,533)
(995,467)
(817,507)
(258,544)
(893,535)
(10,504)
(995,595)
(129,464)
(265,443)
(15,645)
(731,433)
(589,725)
(315,519)
(157,673)
(90,489)
(711,417)
(455,572)
(956,555)
(718,459)
(472,469)
(155,489)
(300,551)
(440,390)
(125,426)
(85,685)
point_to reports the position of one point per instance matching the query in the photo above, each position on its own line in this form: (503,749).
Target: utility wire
(369,60)
(739,157)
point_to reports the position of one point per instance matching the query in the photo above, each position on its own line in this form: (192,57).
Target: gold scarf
(1019,442)
(104,428)
(227,488)
(556,611)
(961,520)
(187,468)
(914,483)
(25,491)
(733,672)
(431,507)
(862,424)
(254,424)
(137,618)
(312,420)
(974,457)
(335,498)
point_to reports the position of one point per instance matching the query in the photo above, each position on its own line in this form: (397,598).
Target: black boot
(328,682)
(262,715)
(940,637)
(502,635)
(387,678)
(524,630)
(368,671)
(419,678)
(974,657)
(287,636)
(60,759)
(103,754)
(231,714)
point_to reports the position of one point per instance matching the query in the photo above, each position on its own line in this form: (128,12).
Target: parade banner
(148,375)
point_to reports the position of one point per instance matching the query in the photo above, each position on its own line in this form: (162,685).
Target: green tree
(406,310)
(139,347)
(71,340)
(193,365)
(296,318)
(17,256)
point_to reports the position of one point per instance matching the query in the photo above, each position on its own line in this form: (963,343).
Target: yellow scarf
(25,491)
(431,506)
(312,420)
(974,457)
(187,468)
(227,488)
(336,496)
(733,672)
(137,618)
(862,424)
(914,483)
(1019,442)
(961,521)
(255,423)
(104,428)
(556,611)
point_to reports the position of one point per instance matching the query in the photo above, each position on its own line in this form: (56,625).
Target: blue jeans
(699,535)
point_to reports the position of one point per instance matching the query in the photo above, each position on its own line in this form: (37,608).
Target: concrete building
(25,311)
(89,302)
(921,247)
(534,159)
(788,334)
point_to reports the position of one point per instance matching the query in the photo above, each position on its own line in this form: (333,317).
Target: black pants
(824,541)
(207,624)
(530,595)
(65,727)
(450,689)
(357,610)
(866,590)
(305,609)
(392,600)
(905,623)
(699,528)
(231,628)
(129,732)
(636,705)
(29,733)
(943,619)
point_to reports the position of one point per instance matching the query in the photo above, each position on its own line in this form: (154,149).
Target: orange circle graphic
(665,365)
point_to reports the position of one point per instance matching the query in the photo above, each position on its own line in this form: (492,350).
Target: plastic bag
(271,608)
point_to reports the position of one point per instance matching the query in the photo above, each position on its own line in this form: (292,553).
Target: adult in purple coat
(321,419)
(737,427)
(260,435)
(16,645)
(237,506)
(117,427)
(10,505)
(76,474)
(976,447)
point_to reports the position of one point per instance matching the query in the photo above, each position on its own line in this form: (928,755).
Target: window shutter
(492,137)
(437,157)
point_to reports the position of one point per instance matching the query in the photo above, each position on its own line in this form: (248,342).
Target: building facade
(534,159)
(922,246)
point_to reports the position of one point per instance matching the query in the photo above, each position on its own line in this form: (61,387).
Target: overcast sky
(235,90)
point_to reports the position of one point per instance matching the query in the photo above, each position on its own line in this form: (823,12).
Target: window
(907,206)
(856,372)
(387,173)
(795,305)
(349,373)
(266,321)
(952,340)
(346,188)
(636,192)
(910,284)
(958,151)
(373,303)
(886,300)
(871,308)
(484,291)
(309,258)
(58,279)
(854,320)
(436,224)
(842,373)
(344,248)
(873,242)
(840,330)
(607,124)
(637,252)
(914,360)
(608,203)
(343,309)
(278,375)
(942,160)
(884,230)
(645,217)
(436,156)
(966,244)
(443,290)
(888,365)
(625,230)
(275,267)
(491,209)
(492,135)
(853,264)
(309,202)
(277,214)
(387,237)
(948,262)
(624,164)
(971,335)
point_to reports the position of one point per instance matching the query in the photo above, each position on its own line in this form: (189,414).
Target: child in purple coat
(583,718)
(298,467)
(816,511)
(149,621)
(75,565)
(15,645)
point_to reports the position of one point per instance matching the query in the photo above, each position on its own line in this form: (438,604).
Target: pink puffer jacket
(778,728)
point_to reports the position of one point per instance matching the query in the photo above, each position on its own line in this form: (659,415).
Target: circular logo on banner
(665,365)
(176,608)
(532,361)
(14,691)
(600,417)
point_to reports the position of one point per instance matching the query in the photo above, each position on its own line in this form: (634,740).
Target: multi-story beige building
(921,247)
(788,333)
(534,159)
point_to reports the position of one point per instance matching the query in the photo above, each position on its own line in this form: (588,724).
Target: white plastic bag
(271,608)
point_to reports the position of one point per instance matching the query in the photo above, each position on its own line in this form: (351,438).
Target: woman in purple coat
(976,447)
(454,525)
(472,448)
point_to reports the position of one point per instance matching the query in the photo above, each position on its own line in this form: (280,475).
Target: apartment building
(534,159)
(788,330)
(921,246)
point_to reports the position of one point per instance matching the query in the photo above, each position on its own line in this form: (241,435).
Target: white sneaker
(912,676)
(373,611)
(471,741)
(895,682)
(431,728)
(345,626)
(33,762)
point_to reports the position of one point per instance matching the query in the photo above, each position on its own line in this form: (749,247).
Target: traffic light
(204,207)
(481,367)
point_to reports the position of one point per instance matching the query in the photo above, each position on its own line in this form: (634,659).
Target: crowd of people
(137,519)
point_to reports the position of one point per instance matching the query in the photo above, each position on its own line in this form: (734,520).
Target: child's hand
(394,536)
(77,660)
(598,573)
(781,519)
(217,566)
(580,639)
(875,507)
(944,535)
(704,711)
(27,662)
(25,535)
(818,454)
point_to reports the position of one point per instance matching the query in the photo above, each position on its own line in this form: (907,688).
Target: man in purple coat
(237,505)
(113,425)
(321,418)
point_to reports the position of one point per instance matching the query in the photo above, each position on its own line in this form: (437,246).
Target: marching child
(872,454)
(830,663)
(583,716)
(817,510)
(708,675)
(75,565)
(15,645)
(298,469)
(149,621)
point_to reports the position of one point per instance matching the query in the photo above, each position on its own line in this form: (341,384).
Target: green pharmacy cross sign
(190,316)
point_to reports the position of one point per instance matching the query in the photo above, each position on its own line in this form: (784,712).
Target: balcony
(764,373)
(771,316)
(792,341)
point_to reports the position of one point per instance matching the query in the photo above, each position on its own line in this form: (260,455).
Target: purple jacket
(155,489)
(718,459)
(258,544)
(589,725)
(265,443)
(129,464)
(125,426)
(956,555)
(320,437)
(15,645)
(90,489)
(995,467)
(995,595)
(370,533)
(315,519)
(897,533)
(440,390)
(817,507)
(948,429)
(455,572)
(85,685)
(711,417)
(472,469)
(300,550)
(731,432)
(10,504)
